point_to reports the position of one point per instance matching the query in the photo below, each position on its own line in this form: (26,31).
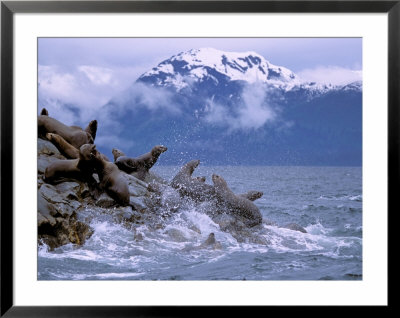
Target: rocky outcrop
(61,207)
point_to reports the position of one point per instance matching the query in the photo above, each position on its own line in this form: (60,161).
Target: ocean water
(326,201)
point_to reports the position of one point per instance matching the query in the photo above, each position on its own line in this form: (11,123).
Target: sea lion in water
(81,168)
(201,179)
(295,227)
(192,187)
(236,205)
(210,242)
(251,195)
(140,165)
(111,179)
(74,135)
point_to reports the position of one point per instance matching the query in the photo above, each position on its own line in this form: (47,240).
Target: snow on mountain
(208,63)
(220,67)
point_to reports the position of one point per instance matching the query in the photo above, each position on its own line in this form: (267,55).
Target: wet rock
(59,201)
(176,235)
(70,190)
(47,153)
(46,147)
(138,203)
(105,201)
(56,217)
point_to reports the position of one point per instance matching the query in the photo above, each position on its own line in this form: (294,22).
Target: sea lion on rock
(76,136)
(251,195)
(140,165)
(81,168)
(65,148)
(191,187)
(236,205)
(111,179)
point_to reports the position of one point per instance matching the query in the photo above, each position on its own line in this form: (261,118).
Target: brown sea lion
(81,168)
(211,242)
(74,135)
(65,148)
(236,205)
(251,195)
(191,187)
(140,165)
(111,179)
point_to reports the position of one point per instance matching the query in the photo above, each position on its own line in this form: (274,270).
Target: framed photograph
(162,155)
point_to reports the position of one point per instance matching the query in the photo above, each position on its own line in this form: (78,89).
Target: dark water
(326,201)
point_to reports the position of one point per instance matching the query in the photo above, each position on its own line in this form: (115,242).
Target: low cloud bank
(253,112)
(331,75)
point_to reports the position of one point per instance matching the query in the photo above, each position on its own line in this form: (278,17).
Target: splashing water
(308,196)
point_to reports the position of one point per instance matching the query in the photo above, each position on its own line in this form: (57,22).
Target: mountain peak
(209,63)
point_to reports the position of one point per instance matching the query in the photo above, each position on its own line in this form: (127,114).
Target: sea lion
(191,187)
(74,135)
(65,148)
(111,179)
(201,179)
(44,112)
(236,205)
(251,195)
(81,168)
(295,227)
(209,243)
(140,165)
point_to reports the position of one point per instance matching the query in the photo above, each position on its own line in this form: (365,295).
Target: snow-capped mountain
(208,63)
(229,108)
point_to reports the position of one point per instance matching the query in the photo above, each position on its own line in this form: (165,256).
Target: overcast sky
(296,54)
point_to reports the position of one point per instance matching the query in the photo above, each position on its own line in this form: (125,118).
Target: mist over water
(326,201)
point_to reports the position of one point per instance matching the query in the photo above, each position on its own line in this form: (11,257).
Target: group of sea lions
(241,206)
(84,160)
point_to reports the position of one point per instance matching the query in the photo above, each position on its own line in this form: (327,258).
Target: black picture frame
(8,8)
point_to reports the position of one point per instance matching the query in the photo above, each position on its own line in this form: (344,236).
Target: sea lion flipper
(65,148)
(92,128)
(44,112)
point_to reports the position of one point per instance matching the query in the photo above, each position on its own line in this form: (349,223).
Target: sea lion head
(117,153)
(218,181)
(88,152)
(190,166)
(254,195)
(201,179)
(50,136)
(210,239)
(158,150)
